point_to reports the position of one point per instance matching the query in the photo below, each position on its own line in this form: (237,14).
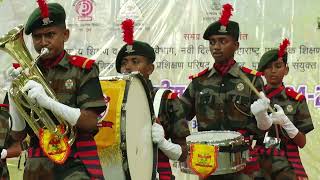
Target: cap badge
(129,49)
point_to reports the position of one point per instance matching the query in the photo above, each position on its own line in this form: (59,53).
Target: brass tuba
(37,117)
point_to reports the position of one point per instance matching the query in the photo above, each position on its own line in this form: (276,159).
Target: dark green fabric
(215,29)
(270,56)
(139,48)
(57,16)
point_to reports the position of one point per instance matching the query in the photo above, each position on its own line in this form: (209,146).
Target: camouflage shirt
(296,110)
(221,102)
(75,86)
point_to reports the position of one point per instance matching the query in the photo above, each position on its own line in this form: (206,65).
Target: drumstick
(254,89)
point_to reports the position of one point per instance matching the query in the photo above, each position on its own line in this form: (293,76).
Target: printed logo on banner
(84,9)
(129,10)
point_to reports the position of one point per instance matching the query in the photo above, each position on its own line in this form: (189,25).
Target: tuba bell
(38,118)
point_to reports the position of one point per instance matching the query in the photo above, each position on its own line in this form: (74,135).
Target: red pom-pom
(127,29)
(43,8)
(283,48)
(226,14)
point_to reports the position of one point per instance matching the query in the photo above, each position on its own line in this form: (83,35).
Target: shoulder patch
(172,95)
(199,74)
(251,71)
(81,62)
(295,95)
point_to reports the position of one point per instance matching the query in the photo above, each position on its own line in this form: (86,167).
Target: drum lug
(123,146)
(123,106)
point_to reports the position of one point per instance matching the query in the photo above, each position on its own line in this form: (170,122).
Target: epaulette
(295,95)
(172,95)
(199,74)
(81,62)
(6,106)
(16,65)
(251,71)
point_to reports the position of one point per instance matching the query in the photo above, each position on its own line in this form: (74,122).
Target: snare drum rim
(235,141)
(125,164)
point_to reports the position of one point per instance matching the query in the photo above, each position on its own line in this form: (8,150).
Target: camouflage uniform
(76,86)
(4,116)
(172,118)
(222,102)
(285,163)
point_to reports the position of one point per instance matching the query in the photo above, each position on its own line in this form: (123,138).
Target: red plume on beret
(283,48)
(127,29)
(226,14)
(44,11)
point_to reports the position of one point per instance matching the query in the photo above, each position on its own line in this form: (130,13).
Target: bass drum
(124,140)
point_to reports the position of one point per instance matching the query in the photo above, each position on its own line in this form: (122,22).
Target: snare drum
(124,140)
(232,151)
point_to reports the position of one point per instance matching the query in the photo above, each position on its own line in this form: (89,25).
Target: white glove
(4,153)
(18,122)
(171,150)
(37,94)
(259,110)
(280,118)
(12,72)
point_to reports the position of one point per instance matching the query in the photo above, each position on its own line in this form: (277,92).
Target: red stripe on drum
(165,178)
(163,164)
(293,154)
(295,165)
(88,153)
(91,162)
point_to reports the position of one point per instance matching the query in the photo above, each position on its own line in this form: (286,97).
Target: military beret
(57,16)
(270,56)
(138,48)
(232,29)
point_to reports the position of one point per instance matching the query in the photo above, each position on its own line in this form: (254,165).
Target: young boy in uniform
(139,56)
(292,115)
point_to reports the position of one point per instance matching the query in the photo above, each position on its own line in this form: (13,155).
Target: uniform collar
(234,71)
(62,60)
(275,92)
(65,61)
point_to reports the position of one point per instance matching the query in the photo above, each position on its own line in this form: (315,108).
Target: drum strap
(157,101)
(86,151)
(88,154)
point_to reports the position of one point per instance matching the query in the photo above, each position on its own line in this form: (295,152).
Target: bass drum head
(139,146)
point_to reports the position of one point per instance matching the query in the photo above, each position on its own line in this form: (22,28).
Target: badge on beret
(129,49)
(223,29)
(289,108)
(46,21)
(240,87)
(68,84)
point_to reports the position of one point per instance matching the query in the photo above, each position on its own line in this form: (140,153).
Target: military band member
(292,115)
(11,147)
(74,79)
(218,97)
(172,124)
